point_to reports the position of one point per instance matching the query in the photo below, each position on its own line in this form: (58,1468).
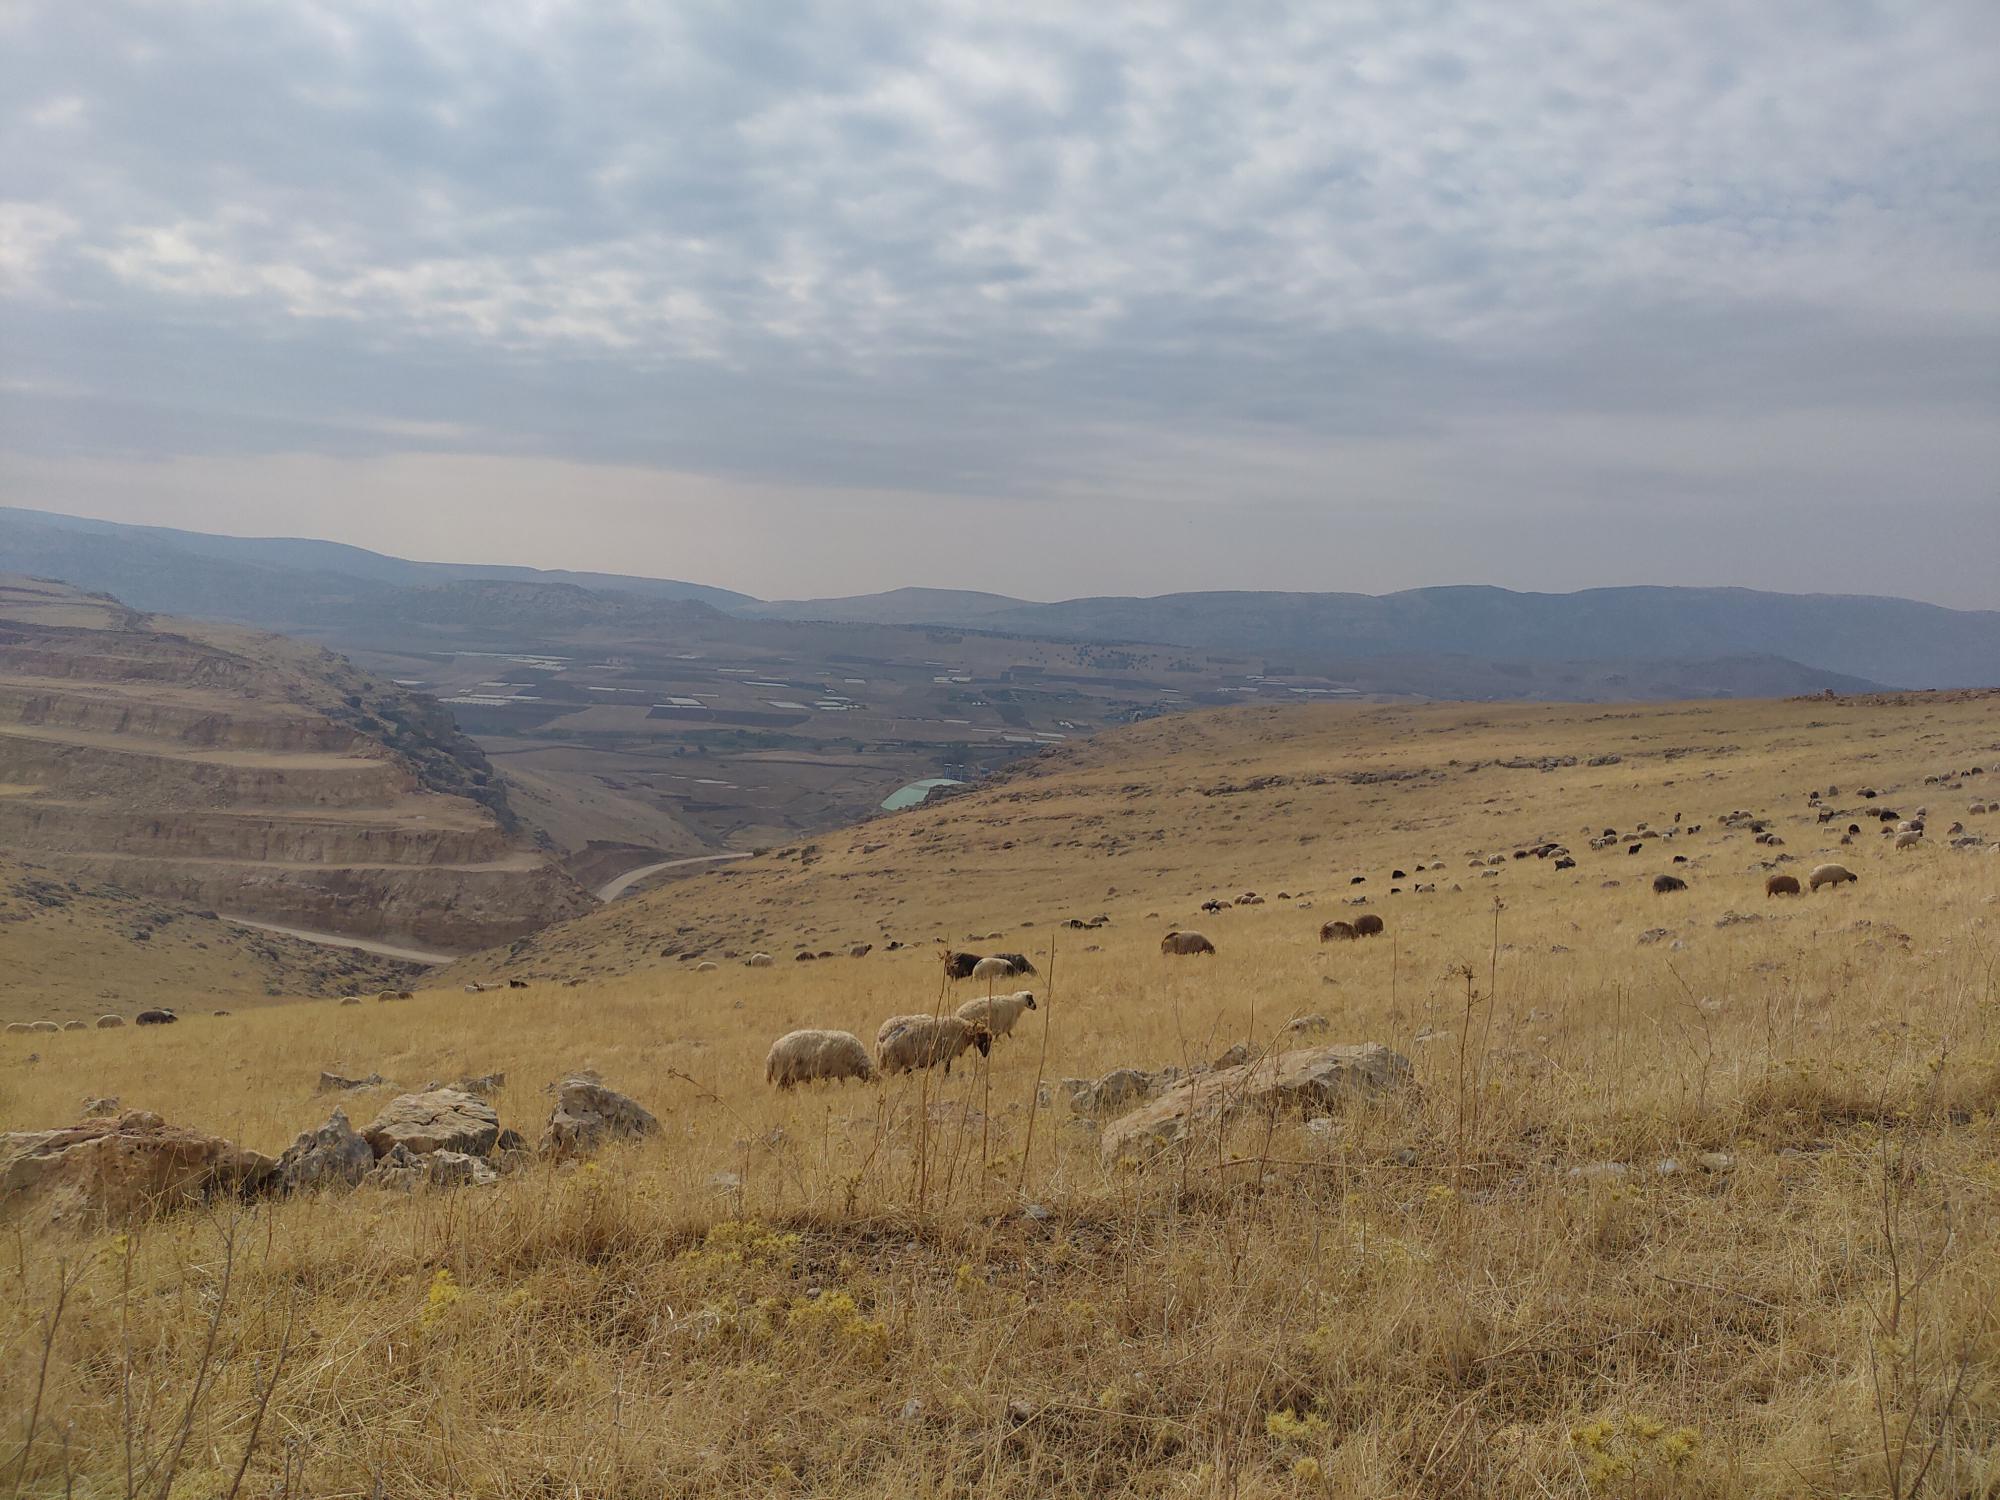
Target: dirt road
(611,890)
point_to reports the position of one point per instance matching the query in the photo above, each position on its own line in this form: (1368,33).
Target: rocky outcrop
(121,1168)
(1307,1078)
(335,1155)
(245,773)
(587,1115)
(404,1171)
(439,1120)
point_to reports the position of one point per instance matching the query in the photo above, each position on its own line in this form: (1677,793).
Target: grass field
(933,1287)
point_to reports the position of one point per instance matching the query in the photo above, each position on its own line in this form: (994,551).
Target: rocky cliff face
(254,775)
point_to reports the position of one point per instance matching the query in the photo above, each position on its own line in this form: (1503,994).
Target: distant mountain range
(1851,641)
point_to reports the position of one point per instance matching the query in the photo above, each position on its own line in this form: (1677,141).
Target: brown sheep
(1337,932)
(1185,943)
(1368,925)
(1781,885)
(1662,884)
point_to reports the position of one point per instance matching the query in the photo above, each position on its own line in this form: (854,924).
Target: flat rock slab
(437,1120)
(1306,1078)
(121,1168)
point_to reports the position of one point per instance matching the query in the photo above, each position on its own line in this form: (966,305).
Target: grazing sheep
(1213,905)
(1305,1024)
(993,968)
(1368,925)
(1662,884)
(997,1013)
(860,950)
(959,965)
(156,1018)
(1829,875)
(759,961)
(1343,932)
(707,966)
(1564,862)
(85,1025)
(1185,943)
(816,1057)
(803,956)
(105,1023)
(1781,885)
(1910,838)
(906,1043)
(1019,961)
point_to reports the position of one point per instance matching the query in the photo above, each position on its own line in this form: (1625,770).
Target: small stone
(1600,1171)
(1715,1161)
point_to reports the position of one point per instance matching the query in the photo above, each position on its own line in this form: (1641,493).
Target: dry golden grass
(933,1288)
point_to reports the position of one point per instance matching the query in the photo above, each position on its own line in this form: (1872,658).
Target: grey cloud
(1120,258)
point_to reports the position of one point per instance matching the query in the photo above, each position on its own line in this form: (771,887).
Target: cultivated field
(1707,1214)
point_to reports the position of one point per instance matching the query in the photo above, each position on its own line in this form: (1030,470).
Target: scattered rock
(1715,1161)
(1600,1171)
(1653,935)
(586,1114)
(437,1120)
(402,1170)
(335,1155)
(1309,1078)
(330,1083)
(116,1169)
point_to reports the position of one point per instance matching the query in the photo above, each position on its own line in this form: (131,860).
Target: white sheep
(905,1043)
(997,1013)
(758,961)
(814,1056)
(1909,838)
(993,968)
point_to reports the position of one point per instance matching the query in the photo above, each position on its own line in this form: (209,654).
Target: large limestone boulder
(119,1168)
(1307,1078)
(587,1114)
(335,1155)
(436,1120)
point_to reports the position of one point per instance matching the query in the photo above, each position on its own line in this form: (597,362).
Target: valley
(1665,1154)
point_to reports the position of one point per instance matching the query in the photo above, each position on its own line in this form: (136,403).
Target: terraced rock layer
(253,775)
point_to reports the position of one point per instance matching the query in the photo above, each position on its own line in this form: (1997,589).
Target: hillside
(1163,815)
(251,775)
(1690,1194)
(153,565)
(353,597)
(1895,641)
(72,949)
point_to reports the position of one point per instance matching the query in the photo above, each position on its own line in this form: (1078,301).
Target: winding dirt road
(611,890)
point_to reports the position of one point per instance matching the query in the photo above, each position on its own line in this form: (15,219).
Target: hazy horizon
(1052,302)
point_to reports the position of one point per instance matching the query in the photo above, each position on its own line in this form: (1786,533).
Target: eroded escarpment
(254,775)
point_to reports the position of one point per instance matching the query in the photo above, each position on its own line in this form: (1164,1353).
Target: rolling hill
(1681,1194)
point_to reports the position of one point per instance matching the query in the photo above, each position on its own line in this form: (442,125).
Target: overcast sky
(1046,299)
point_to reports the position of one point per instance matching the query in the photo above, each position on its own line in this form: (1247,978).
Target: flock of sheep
(912,1042)
(904,1044)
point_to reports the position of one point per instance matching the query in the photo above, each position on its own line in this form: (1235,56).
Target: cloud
(1127,257)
